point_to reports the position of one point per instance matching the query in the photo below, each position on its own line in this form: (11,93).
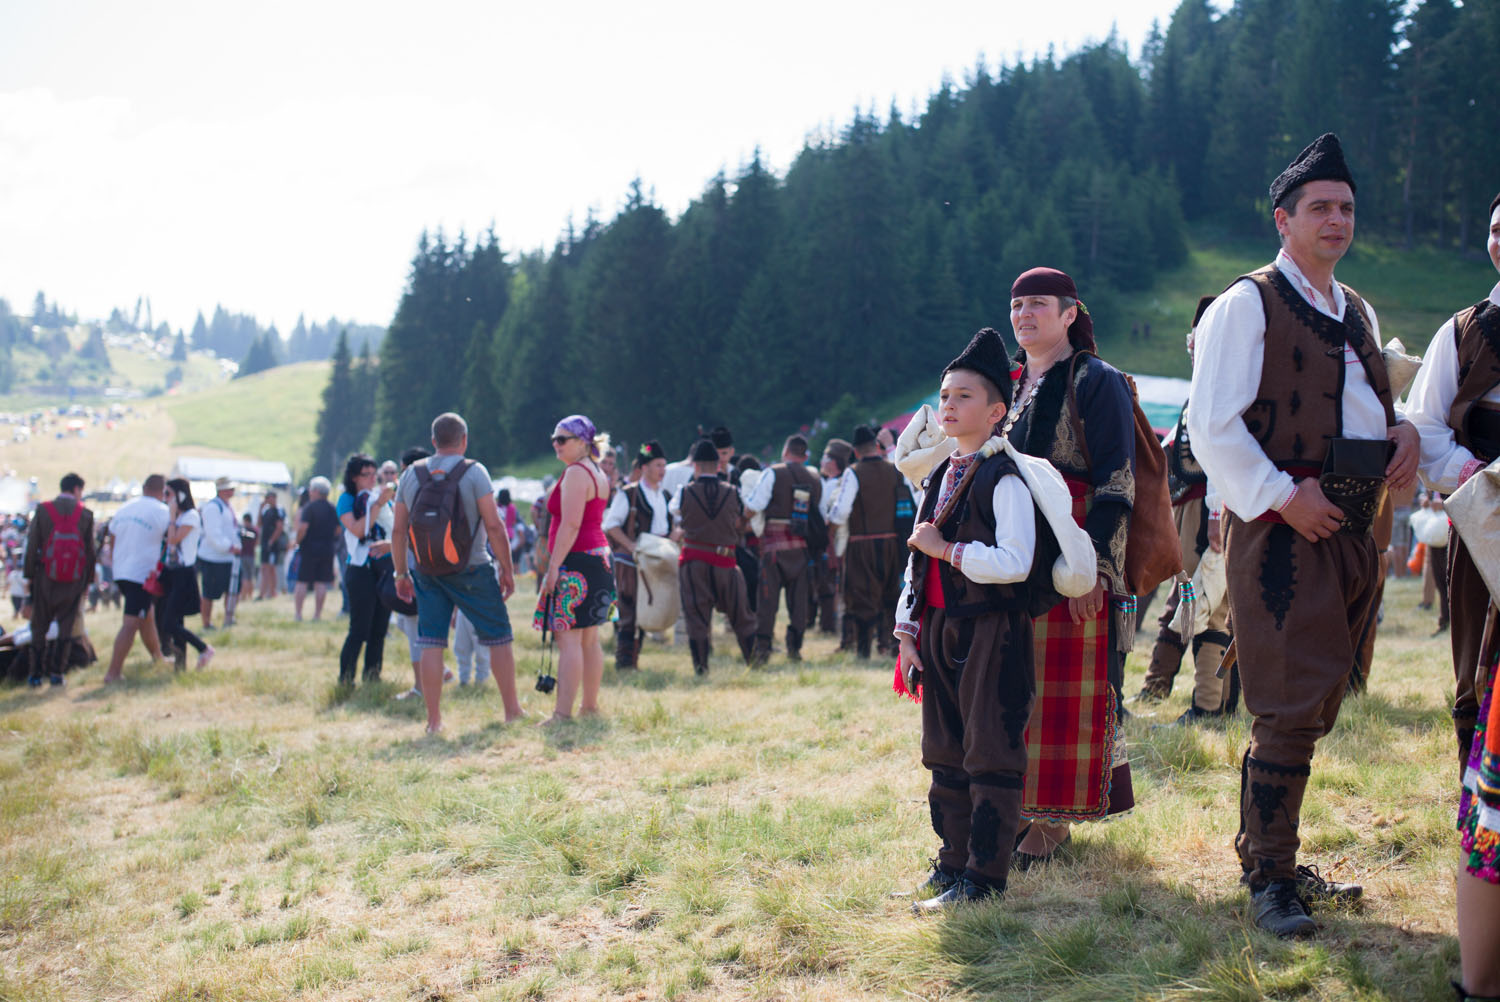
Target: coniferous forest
(884,246)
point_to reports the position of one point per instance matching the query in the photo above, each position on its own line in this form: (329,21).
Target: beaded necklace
(1020,407)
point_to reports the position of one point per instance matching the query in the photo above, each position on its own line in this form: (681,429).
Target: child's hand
(911,664)
(927,538)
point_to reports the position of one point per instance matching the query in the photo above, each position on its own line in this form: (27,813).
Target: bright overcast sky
(282,158)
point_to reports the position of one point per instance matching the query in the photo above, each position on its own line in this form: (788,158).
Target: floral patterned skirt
(1478,820)
(584,596)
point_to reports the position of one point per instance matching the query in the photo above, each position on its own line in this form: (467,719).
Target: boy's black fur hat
(986,356)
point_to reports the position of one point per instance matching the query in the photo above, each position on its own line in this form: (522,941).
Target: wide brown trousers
(780,570)
(706,588)
(872,584)
(1299,609)
(1469,601)
(977,688)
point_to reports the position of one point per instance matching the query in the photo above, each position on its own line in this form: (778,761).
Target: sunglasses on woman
(560,439)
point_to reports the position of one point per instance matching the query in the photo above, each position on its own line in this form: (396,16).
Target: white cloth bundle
(924,444)
(1430,527)
(748,480)
(1400,368)
(1210,590)
(657,602)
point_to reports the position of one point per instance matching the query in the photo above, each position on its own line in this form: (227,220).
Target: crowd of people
(999,548)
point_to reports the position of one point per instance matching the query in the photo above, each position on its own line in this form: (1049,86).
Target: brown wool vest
(710,513)
(1477,332)
(875,505)
(1299,405)
(788,477)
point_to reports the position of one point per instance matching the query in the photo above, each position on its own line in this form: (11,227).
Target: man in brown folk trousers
(1292,420)
(711,516)
(789,494)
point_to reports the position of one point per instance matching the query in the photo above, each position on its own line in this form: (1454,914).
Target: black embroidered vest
(1477,332)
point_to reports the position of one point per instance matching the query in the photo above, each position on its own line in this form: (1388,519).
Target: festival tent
(248,473)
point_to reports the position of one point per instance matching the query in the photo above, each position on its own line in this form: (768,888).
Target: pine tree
(337,433)
(179,349)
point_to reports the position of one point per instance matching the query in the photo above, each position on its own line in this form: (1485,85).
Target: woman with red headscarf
(1074,410)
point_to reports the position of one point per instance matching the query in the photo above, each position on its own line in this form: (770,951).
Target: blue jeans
(474,592)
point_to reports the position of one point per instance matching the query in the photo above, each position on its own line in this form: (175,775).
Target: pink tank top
(590,530)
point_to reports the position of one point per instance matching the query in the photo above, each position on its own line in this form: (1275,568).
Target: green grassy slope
(1412,292)
(270,415)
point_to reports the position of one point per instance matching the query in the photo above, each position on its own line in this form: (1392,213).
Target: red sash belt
(1193,493)
(718,556)
(779,536)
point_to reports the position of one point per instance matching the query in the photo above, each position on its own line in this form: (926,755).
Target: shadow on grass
(1065,933)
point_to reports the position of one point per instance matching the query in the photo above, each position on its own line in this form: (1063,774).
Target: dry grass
(249,832)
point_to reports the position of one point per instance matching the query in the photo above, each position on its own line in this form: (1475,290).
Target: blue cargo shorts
(474,592)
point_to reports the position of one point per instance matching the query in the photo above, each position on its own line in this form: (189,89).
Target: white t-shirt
(138,528)
(17,579)
(187,549)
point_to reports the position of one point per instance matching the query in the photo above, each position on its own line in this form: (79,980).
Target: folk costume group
(1015,610)
(1279,469)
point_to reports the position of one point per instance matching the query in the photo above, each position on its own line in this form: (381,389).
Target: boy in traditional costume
(1292,419)
(964,618)
(712,517)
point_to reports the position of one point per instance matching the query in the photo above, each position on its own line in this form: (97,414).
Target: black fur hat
(704,452)
(1322,160)
(863,435)
(986,356)
(649,451)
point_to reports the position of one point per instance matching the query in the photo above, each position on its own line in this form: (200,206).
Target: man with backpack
(440,503)
(60,566)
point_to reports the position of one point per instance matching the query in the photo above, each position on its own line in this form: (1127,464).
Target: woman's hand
(387,491)
(550,581)
(381,548)
(1086,607)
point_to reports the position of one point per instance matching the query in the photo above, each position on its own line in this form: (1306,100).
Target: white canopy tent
(244,473)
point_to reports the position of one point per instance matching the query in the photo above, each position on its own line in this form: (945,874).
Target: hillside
(270,415)
(1412,292)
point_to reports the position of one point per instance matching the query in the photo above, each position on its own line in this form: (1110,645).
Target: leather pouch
(1353,478)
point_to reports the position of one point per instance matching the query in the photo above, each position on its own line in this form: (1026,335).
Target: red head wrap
(1051,282)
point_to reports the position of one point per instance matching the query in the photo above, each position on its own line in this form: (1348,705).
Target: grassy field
(247,832)
(270,415)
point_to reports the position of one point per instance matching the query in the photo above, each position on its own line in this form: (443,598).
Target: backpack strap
(424,475)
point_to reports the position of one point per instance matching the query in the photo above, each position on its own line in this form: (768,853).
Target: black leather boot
(963,892)
(862,639)
(747,648)
(939,880)
(1280,909)
(793,644)
(1315,887)
(624,651)
(700,650)
(760,650)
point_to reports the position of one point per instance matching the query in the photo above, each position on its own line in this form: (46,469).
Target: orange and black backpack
(440,534)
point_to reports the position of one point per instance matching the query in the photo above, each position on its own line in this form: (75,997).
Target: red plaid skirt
(1073,740)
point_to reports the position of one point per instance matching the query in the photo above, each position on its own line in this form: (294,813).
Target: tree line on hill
(860,272)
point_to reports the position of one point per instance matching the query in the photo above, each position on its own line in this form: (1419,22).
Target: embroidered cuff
(1470,468)
(956,558)
(906,629)
(1281,506)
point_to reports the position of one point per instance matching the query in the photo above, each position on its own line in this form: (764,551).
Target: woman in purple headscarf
(578,592)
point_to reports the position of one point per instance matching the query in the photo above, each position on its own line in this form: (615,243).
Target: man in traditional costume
(1199,534)
(1455,404)
(789,494)
(711,516)
(1292,419)
(636,508)
(873,561)
(964,623)
(1075,411)
(828,572)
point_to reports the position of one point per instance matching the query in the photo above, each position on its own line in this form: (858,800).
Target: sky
(284,158)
